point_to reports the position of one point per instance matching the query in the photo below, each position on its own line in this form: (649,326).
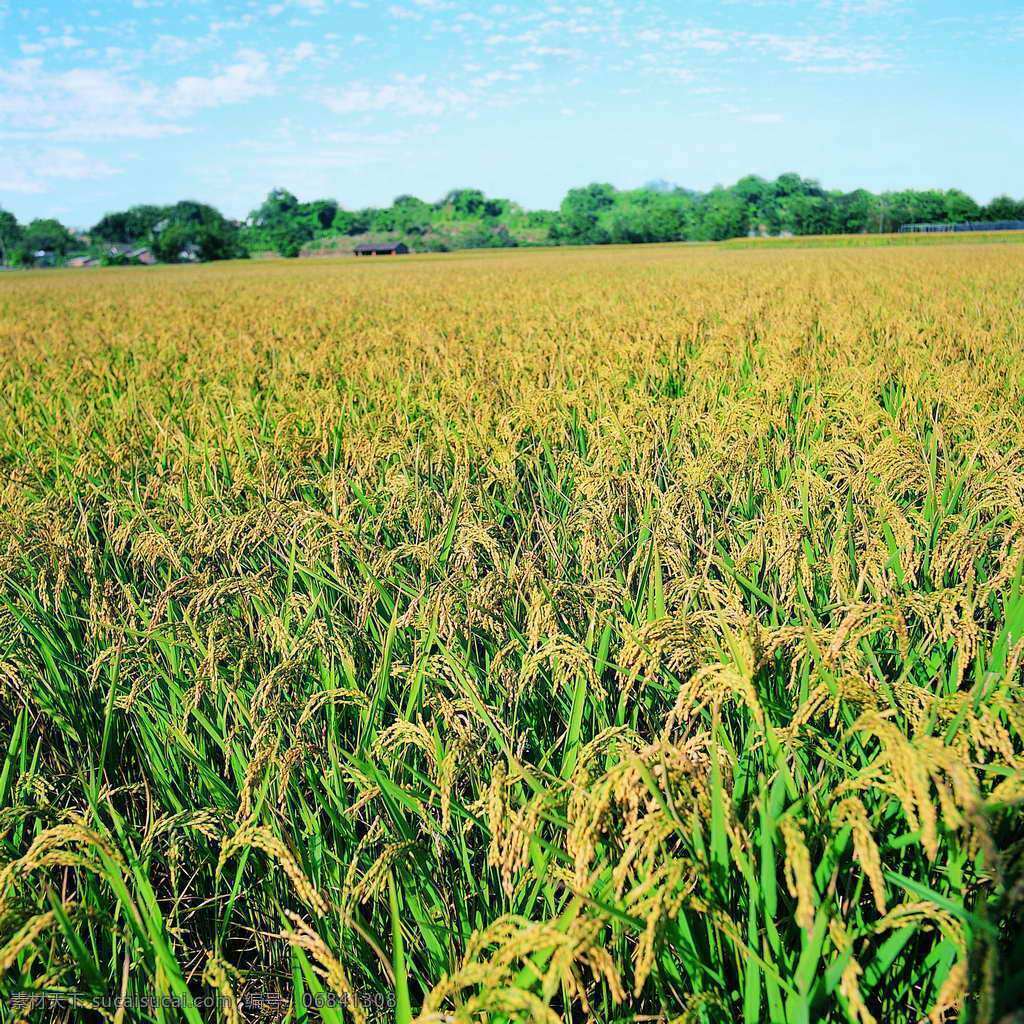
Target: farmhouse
(131,253)
(381,249)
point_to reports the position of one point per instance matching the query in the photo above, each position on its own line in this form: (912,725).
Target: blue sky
(103,105)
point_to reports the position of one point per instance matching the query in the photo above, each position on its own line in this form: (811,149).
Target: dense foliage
(557,636)
(186,230)
(18,243)
(173,231)
(599,213)
(467,219)
(464,218)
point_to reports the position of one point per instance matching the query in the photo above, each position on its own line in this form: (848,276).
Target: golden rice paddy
(596,635)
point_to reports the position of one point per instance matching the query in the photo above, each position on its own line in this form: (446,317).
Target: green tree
(49,234)
(189,223)
(1004,208)
(382,219)
(855,212)
(960,207)
(143,218)
(351,222)
(170,242)
(645,215)
(788,184)
(494,208)
(289,238)
(410,215)
(465,202)
(722,215)
(911,206)
(11,237)
(759,198)
(806,214)
(540,218)
(129,225)
(112,227)
(580,211)
(319,214)
(279,206)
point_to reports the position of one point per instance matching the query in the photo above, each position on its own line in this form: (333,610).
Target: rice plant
(571,636)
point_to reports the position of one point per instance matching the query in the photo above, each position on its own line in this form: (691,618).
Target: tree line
(186,229)
(466,218)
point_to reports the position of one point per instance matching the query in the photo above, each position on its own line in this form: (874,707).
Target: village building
(381,249)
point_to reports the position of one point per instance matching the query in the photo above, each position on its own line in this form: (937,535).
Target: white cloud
(30,170)
(558,52)
(764,118)
(824,56)
(300,54)
(66,41)
(79,104)
(310,166)
(707,40)
(404,13)
(315,7)
(172,49)
(231,24)
(402,95)
(676,74)
(870,8)
(496,76)
(363,140)
(246,79)
(98,104)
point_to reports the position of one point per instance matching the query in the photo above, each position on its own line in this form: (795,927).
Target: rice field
(593,636)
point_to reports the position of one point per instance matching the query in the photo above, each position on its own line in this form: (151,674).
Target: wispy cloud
(79,104)
(96,104)
(299,55)
(404,13)
(315,7)
(826,56)
(67,40)
(168,49)
(246,78)
(30,170)
(403,95)
(867,8)
(353,75)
